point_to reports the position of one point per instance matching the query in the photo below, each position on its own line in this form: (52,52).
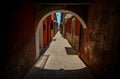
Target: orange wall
(46,31)
(77,27)
(48,27)
(68,25)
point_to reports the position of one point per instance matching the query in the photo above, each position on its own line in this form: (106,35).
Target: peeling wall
(101,39)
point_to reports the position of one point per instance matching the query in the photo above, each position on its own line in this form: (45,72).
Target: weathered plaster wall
(100,47)
(19,36)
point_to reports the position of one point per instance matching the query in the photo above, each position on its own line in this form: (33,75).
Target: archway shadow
(37,73)
(70,51)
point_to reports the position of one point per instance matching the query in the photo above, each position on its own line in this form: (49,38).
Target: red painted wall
(77,27)
(68,25)
(77,32)
(48,26)
(46,31)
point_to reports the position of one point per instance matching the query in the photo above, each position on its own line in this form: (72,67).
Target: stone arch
(37,33)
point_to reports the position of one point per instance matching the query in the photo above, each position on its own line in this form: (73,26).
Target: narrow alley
(60,39)
(56,63)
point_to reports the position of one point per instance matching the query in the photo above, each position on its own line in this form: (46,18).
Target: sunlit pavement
(55,63)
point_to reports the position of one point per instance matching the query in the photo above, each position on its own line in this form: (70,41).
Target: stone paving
(55,63)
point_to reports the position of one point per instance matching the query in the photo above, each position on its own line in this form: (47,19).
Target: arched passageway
(39,38)
(56,60)
(101,49)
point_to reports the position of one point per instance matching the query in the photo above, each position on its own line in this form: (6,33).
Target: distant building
(72,31)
